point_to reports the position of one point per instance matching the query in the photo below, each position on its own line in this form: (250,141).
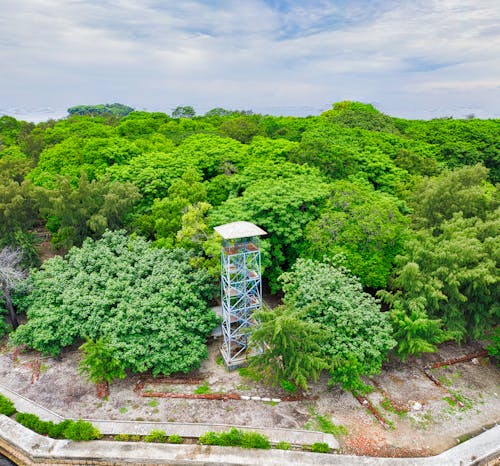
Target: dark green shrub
(71,430)
(81,431)
(320,447)
(5,328)
(57,430)
(288,386)
(156,436)
(209,438)
(230,439)
(6,406)
(282,446)
(254,440)
(494,346)
(236,438)
(33,422)
(174,439)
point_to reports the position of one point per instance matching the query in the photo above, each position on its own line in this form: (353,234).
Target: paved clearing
(436,418)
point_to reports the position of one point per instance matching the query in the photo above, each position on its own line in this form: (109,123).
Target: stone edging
(28,448)
(192,430)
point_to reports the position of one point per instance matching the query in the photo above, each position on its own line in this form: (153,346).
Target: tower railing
(241,294)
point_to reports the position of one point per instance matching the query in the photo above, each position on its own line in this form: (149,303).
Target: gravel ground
(434,421)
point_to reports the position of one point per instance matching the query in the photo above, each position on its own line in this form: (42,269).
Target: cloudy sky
(415,58)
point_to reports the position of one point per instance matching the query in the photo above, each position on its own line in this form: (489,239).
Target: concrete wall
(28,448)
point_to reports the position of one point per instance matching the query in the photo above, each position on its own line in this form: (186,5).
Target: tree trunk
(102,390)
(8,300)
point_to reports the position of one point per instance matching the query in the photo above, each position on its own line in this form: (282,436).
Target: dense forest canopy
(408,208)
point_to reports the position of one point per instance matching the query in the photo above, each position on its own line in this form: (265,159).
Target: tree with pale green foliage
(196,235)
(359,334)
(148,304)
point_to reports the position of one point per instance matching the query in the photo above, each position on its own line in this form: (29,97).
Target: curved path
(30,448)
(193,430)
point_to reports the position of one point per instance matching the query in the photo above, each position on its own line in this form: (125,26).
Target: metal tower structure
(241,287)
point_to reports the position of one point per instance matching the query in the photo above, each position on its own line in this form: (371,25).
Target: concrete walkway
(473,452)
(29,448)
(195,430)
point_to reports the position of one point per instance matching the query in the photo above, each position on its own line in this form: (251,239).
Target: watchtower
(241,287)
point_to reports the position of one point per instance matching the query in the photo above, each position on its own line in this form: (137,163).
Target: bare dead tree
(11,275)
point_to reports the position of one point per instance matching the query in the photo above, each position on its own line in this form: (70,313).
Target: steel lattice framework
(241,290)
(241,287)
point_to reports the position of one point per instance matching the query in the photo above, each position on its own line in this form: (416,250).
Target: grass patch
(449,380)
(320,447)
(153,403)
(156,436)
(324,424)
(203,389)
(174,438)
(250,374)
(236,438)
(282,446)
(388,406)
(123,410)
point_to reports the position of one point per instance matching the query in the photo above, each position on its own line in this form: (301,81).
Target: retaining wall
(28,448)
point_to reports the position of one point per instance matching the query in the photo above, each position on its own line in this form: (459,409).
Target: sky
(412,59)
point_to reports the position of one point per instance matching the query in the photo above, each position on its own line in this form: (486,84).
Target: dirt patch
(420,418)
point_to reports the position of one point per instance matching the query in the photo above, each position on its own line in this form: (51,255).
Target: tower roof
(236,230)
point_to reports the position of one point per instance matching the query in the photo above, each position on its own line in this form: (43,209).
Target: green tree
(196,235)
(359,115)
(9,130)
(74,214)
(342,152)
(101,109)
(183,112)
(167,213)
(74,155)
(453,276)
(288,347)
(415,332)
(242,128)
(364,225)
(459,142)
(464,190)
(148,304)
(282,207)
(99,363)
(359,334)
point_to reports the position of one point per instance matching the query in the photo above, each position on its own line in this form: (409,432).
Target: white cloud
(403,55)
